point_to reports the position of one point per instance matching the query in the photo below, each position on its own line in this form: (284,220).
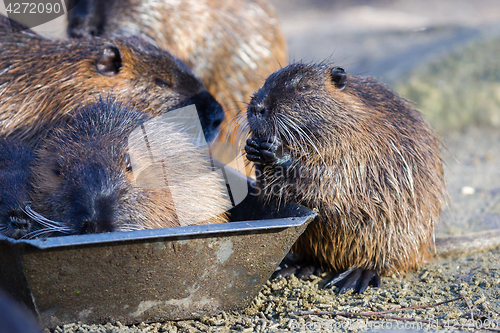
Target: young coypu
(15,187)
(45,80)
(361,155)
(85,179)
(232,46)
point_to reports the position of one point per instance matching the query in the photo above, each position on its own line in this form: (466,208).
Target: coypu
(360,154)
(232,46)
(43,80)
(85,179)
(15,178)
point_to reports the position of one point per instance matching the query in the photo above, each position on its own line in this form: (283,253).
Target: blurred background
(442,55)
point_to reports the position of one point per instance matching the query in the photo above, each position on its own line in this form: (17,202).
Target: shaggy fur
(85,181)
(15,187)
(42,81)
(232,46)
(361,155)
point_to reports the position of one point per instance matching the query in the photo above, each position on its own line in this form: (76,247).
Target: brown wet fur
(371,166)
(44,80)
(232,46)
(82,179)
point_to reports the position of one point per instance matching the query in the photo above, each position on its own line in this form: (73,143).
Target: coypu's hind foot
(301,270)
(357,279)
(295,266)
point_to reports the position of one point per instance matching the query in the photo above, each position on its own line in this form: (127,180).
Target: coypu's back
(232,46)
(85,179)
(15,186)
(359,153)
(44,80)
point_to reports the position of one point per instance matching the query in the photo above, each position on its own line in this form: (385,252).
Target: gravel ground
(473,282)
(386,39)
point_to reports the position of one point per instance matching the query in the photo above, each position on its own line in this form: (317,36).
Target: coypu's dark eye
(339,77)
(128,163)
(163,83)
(304,87)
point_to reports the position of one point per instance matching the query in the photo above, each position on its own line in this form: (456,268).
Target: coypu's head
(107,170)
(158,81)
(297,102)
(82,174)
(59,76)
(15,177)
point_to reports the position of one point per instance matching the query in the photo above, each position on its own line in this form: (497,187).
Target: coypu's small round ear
(110,62)
(339,77)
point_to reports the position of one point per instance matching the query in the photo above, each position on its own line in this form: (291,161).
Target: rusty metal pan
(152,275)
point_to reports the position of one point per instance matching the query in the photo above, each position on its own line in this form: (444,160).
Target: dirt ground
(386,39)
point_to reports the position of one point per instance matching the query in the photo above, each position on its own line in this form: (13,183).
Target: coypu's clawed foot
(265,150)
(357,279)
(299,268)
(16,225)
(300,271)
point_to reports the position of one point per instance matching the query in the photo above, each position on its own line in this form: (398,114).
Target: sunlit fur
(83,181)
(231,45)
(43,80)
(364,157)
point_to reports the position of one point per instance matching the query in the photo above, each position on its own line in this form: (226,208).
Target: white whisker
(50,226)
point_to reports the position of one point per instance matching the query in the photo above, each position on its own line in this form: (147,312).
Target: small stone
(467,190)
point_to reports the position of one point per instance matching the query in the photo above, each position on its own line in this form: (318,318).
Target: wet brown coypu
(43,80)
(15,187)
(85,180)
(360,154)
(231,45)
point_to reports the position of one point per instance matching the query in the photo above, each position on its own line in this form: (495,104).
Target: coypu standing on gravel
(232,46)
(86,181)
(15,187)
(43,80)
(361,155)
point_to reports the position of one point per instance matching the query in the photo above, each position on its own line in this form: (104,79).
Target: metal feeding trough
(152,275)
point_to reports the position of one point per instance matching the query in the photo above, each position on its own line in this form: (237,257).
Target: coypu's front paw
(263,150)
(357,279)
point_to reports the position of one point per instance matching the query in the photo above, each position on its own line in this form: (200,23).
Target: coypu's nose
(257,108)
(210,113)
(101,217)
